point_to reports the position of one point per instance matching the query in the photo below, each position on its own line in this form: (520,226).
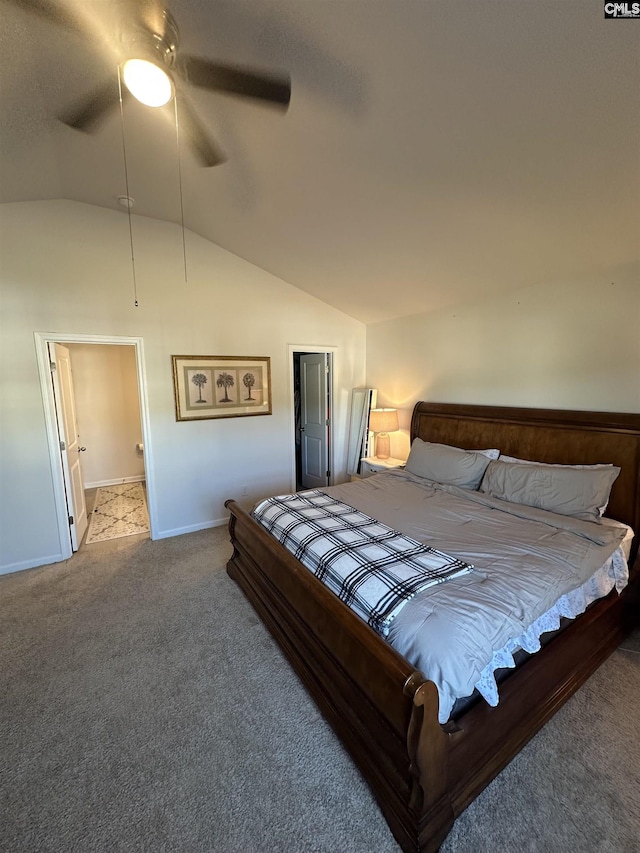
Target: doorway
(312,372)
(63,491)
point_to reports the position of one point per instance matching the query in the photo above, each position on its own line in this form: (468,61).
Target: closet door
(314,417)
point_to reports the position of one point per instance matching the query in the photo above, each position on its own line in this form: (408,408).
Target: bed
(424,773)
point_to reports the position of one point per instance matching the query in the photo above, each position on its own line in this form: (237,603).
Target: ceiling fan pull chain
(126,182)
(184,245)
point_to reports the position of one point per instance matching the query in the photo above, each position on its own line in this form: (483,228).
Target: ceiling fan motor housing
(153,37)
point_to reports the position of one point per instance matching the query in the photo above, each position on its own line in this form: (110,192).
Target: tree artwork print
(228,386)
(199,379)
(225,380)
(249,380)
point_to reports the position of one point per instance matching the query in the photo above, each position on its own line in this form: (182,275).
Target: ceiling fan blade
(93,109)
(202,145)
(49,11)
(236,81)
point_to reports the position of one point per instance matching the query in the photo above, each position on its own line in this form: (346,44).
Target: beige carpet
(144,708)
(119,510)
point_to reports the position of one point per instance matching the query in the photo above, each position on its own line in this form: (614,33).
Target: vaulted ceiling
(432,153)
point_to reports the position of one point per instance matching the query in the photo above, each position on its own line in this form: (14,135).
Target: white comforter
(531,567)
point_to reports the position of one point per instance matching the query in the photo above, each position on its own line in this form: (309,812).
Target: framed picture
(221,386)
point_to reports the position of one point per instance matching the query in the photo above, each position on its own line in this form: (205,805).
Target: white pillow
(444,464)
(565,489)
(491,454)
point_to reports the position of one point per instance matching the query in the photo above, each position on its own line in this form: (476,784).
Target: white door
(314,420)
(70,449)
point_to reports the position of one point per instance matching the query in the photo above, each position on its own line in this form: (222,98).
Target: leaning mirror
(362,401)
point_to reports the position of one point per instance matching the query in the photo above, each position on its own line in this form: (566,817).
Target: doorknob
(81,449)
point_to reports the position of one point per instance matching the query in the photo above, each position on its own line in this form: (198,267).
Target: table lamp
(382,422)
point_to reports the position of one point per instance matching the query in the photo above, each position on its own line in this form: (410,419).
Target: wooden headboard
(546,435)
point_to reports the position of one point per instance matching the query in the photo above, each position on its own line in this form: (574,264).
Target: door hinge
(63,446)
(52,366)
(328,474)
(327,422)
(70,519)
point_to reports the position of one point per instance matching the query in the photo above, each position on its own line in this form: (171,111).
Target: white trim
(192,528)
(32,564)
(307,348)
(42,339)
(138,479)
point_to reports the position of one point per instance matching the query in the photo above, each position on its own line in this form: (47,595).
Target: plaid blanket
(369,566)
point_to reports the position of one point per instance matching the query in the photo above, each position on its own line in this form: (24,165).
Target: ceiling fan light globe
(147,82)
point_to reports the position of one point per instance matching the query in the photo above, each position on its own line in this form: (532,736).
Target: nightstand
(372,465)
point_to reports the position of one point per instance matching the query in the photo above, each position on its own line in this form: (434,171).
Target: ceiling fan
(144,37)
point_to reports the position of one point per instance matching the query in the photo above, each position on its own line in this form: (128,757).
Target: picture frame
(221,386)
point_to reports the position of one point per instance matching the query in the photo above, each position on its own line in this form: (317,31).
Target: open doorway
(108,422)
(312,407)
(108,409)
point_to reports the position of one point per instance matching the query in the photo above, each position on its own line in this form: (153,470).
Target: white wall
(564,345)
(105,386)
(66,267)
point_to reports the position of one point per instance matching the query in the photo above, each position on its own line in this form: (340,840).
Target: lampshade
(383,420)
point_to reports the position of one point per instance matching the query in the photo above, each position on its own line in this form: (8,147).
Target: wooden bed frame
(385,712)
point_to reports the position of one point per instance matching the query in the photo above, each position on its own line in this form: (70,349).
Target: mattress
(532,568)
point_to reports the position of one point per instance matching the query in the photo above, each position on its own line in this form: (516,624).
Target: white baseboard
(31,564)
(138,479)
(163,534)
(192,528)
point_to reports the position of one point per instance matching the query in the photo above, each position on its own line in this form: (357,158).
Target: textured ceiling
(433,152)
